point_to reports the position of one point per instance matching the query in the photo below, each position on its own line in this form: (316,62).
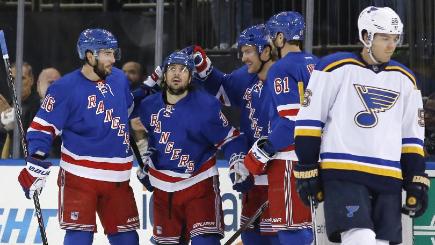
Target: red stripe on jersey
(288,148)
(164,177)
(290,112)
(235,134)
(40,127)
(97,165)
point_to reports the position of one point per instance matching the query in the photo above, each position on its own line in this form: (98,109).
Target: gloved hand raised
(148,158)
(308,184)
(203,65)
(32,178)
(239,174)
(416,195)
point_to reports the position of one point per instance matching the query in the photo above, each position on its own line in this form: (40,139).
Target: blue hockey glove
(203,65)
(239,174)
(32,178)
(148,159)
(144,178)
(259,155)
(416,195)
(308,184)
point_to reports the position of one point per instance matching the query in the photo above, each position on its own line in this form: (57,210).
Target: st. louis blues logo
(375,100)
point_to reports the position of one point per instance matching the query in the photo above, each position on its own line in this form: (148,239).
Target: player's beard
(100,71)
(177,91)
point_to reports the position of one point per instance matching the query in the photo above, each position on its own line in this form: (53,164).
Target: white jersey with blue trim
(368,118)
(92,120)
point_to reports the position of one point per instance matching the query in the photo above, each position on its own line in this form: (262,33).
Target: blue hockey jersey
(92,119)
(245,91)
(186,136)
(286,81)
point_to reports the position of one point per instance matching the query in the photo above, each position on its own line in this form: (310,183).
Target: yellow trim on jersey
(308,132)
(413,149)
(409,75)
(361,168)
(301,92)
(339,62)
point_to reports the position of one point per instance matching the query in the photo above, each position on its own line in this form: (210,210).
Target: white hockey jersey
(369,118)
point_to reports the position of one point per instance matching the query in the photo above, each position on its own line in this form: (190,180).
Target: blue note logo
(351,210)
(375,100)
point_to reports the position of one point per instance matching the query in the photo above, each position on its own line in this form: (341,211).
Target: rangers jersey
(92,119)
(245,91)
(369,118)
(286,81)
(186,136)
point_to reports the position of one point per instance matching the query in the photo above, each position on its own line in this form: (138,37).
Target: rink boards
(18,224)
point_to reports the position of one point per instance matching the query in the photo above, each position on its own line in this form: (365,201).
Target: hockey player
(244,89)
(363,114)
(275,154)
(185,129)
(89,109)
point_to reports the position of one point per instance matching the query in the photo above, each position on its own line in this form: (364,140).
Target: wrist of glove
(308,184)
(259,155)
(239,174)
(32,178)
(416,195)
(7,119)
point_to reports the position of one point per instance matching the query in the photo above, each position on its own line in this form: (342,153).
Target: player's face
(106,59)
(250,58)
(177,79)
(384,45)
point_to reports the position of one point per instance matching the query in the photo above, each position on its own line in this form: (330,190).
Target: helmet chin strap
(372,56)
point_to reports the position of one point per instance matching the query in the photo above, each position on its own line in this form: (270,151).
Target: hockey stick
(313,206)
(248,223)
(136,152)
(11,84)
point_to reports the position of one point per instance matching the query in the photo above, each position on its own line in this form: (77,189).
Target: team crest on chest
(375,100)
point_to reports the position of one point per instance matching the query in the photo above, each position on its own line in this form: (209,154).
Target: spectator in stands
(45,79)
(133,71)
(6,125)
(29,105)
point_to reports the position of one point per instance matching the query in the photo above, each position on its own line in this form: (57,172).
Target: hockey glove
(7,119)
(203,65)
(239,175)
(148,159)
(154,78)
(259,155)
(308,183)
(148,87)
(416,196)
(144,178)
(32,178)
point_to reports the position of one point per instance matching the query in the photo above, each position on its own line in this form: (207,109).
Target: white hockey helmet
(378,20)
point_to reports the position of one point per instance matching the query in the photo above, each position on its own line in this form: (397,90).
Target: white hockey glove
(259,155)
(32,178)
(154,78)
(239,174)
(8,118)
